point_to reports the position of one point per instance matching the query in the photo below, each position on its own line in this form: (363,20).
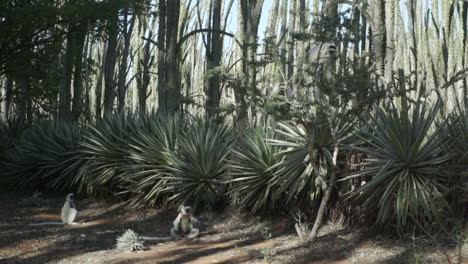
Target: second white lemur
(68,213)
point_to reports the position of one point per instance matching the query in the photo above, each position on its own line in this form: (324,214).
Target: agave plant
(407,177)
(105,148)
(296,175)
(456,133)
(252,169)
(293,175)
(198,167)
(150,150)
(9,132)
(45,154)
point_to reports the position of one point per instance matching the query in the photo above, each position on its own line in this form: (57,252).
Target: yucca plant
(296,171)
(45,155)
(456,133)
(293,175)
(252,169)
(11,130)
(198,167)
(150,150)
(105,148)
(408,180)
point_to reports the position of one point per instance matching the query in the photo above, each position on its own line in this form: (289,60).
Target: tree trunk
(80,38)
(250,17)
(390,6)
(123,67)
(173,87)
(6,104)
(109,65)
(99,83)
(465,50)
(214,51)
(144,66)
(325,199)
(162,69)
(292,29)
(378,34)
(65,87)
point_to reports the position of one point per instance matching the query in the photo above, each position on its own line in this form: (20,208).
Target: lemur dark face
(71,196)
(186,210)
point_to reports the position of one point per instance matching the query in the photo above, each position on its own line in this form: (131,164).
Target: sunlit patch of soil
(47,217)
(96,222)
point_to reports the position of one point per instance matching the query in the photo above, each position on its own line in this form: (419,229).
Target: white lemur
(68,213)
(182,228)
(183,224)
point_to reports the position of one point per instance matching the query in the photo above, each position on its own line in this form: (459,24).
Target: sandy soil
(226,238)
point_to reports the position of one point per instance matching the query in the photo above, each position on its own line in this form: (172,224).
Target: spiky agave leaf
(456,134)
(105,148)
(408,180)
(10,131)
(251,171)
(199,167)
(295,173)
(150,151)
(130,241)
(45,154)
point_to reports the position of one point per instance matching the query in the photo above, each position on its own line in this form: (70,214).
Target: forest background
(142,99)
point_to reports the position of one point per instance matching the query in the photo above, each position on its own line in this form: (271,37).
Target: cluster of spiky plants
(130,241)
(198,167)
(407,177)
(252,170)
(105,148)
(456,135)
(10,131)
(45,154)
(151,151)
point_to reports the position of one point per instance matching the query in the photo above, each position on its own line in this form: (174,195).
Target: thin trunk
(173,87)
(390,6)
(378,35)
(87,79)
(162,69)
(109,65)
(80,38)
(214,53)
(292,29)
(250,17)
(65,87)
(465,51)
(99,83)
(123,67)
(414,51)
(283,43)
(6,104)
(144,74)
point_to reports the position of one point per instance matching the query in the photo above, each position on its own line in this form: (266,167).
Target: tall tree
(214,52)
(128,25)
(173,86)
(78,46)
(110,61)
(250,12)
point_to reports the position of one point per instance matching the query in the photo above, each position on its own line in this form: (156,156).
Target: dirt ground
(225,238)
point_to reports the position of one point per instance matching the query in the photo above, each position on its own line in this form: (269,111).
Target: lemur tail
(156,238)
(48,223)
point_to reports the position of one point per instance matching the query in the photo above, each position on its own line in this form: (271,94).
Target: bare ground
(226,238)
